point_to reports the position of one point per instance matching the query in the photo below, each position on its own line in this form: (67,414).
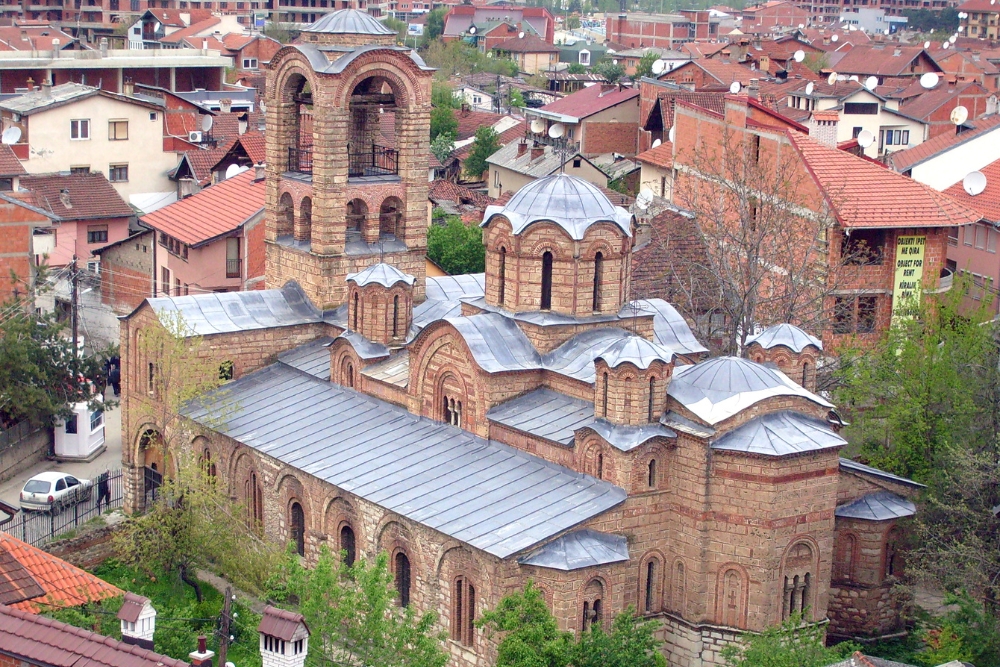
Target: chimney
(537,152)
(202,657)
(258,172)
(608,87)
(185,187)
(64,198)
(284,638)
(138,620)
(897,52)
(522,148)
(47,88)
(128,88)
(204,44)
(826,39)
(55,48)
(24,35)
(104,47)
(753,90)
(465,108)
(225,105)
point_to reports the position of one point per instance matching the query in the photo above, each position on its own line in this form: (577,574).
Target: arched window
(843,563)
(297,526)
(652,399)
(893,561)
(627,390)
(463,617)
(403,579)
(502,275)
(347,544)
(797,589)
(651,474)
(389,217)
(648,604)
(598,273)
(600,466)
(303,230)
(357,210)
(604,390)
(206,463)
(805,374)
(357,300)
(395,316)
(253,496)
(286,215)
(349,375)
(593,595)
(226,370)
(547,280)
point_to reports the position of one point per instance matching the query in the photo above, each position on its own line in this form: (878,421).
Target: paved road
(109,460)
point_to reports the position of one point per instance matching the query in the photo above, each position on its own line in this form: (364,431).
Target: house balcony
(233,268)
(945,282)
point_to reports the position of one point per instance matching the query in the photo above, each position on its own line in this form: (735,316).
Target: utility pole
(227,605)
(74,308)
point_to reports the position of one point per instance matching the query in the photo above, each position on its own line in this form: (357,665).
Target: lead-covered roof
(788,335)
(780,434)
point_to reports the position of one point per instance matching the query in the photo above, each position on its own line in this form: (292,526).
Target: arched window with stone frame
(731,597)
(798,580)
(592,604)
(286,215)
(650,580)
(502,277)
(348,545)
(463,611)
(357,213)
(892,559)
(253,497)
(297,527)
(598,278)
(678,588)
(546,299)
(401,572)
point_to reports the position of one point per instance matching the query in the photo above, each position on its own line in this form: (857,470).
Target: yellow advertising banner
(908,278)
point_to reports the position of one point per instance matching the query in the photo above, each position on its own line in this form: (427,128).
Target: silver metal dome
(349,22)
(386,275)
(637,351)
(572,203)
(789,335)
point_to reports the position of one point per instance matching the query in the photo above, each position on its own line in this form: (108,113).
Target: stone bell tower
(348,115)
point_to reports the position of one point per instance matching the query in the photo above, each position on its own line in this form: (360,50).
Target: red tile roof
(987,202)
(202,161)
(856,190)
(255,145)
(903,160)
(280,623)
(9,164)
(173,17)
(723,71)
(448,191)
(922,106)
(90,196)
(593,99)
(978,6)
(190,31)
(527,44)
(879,60)
(235,41)
(469,121)
(37,37)
(38,640)
(62,584)
(661,156)
(216,210)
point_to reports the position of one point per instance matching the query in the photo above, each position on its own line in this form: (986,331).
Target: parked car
(52,491)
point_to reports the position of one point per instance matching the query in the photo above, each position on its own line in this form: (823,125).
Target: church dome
(570,202)
(728,375)
(386,275)
(637,351)
(349,22)
(788,335)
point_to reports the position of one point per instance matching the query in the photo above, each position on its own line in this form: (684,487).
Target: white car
(51,491)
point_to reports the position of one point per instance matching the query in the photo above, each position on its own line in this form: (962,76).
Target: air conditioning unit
(194,137)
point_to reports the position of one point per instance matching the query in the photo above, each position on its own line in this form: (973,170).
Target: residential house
(127,271)
(521,162)
(531,53)
(155,24)
(25,242)
(873,20)
(582,52)
(934,107)
(972,249)
(476,99)
(629,58)
(773,17)
(657,170)
(24,35)
(72,127)
(212,241)
(947,158)
(710,74)
(460,18)
(969,66)
(657,100)
(564,82)
(883,60)
(600,119)
(87,213)
(982,20)
(663,30)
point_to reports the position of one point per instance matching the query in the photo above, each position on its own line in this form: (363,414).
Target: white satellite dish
(928,80)
(854,77)
(557,130)
(659,66)
(11,135)
(866,138)
(614,62)
(974,182)
(520,35)
(961,28)
(927,45)
(959,115)
(871,82)
(672,133)
(835,38)
(801,26)
(810,87)
(206,123)
(853,28)
(644,199)
(234,169)
(734,87)
(799,56)
(538,126)
(832,79)
(962,15)
(945,45)
(656,143)
(953,39)
(472,30)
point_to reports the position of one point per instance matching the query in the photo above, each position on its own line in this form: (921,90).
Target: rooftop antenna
(556,132)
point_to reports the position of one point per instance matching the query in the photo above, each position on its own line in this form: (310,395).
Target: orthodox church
(536,422)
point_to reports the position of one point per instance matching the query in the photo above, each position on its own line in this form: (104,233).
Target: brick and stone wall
(86,551)
(127,273)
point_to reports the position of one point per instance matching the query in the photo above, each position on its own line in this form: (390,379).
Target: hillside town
(481,333)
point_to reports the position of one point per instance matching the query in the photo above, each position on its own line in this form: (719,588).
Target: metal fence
(15,434)
(38,528)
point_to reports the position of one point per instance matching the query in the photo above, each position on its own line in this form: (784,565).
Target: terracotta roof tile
(38,37)
(923,106)
(216,210)
(226,126)
(591,100)
(9,164)
(235,41)
(39,640)
(132,607)
(529,44)
(448,191)
(977,6)
(90,196)
(723,71)
(190,31)
(856,189)
(280,623)
(255,145)
(903,160)
(16,582)
(469,121)
(987,203)
(62,584)
(661,156)
(879,60)
(202,161)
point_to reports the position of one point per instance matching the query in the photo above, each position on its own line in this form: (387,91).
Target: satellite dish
(835,38)
(656,143)
(832,79)
(557,130)
(854,77)
(927,45)
(234,169)
(974,182)
(866,138)
(206,123)
(871,82)
(962,15)
(810,88)
(961,28)
(928,80)
(520,35)
(659,66)
(959,115)
(801,26)
(614,62)
(734,87)
(853,28)
(953,38)
(944,45)
(672,133)
(472,30)
(644,199)
(799,56)
(537,126)
(887,31)
(11,135)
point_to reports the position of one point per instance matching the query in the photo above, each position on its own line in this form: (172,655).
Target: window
(967,235)
(403,579)
(864,247)
(82,169)
(502,275)
(226,370)
(598,271)
(953,236)
(151,377)
(274,645)
(651,474)
(71,425)
(585,58)
(604,402)
(593,595)
(980,237)
(650,586)
(652,399)
(347,545)
(249,63)
(6,184)
(577,162)
(843,315)
(867,308)
(477,100)
(463,616)
(796,594)
(356,303)
(855,131)
(79,129)
(395,316)
(600,466)
(546,303)
(298,646)
(297,525)
(153,116)
(896,137)
(117,130)
(861,108)
(96,420)
(755,148)
(452,411)
(97,233)
(118,173)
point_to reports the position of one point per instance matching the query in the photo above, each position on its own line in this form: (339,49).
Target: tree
(457,247)
(609,70)
(443,121)
(354,616)
(442,95)
(281,32)
(434,26)
(630,642)
(41,375)
(486,144)
(573,23)
(516,98)
(459,58)
(816,62)
(576,68)
(531,636)
(645,66)
(790,644)
(442,147)
(399,26)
